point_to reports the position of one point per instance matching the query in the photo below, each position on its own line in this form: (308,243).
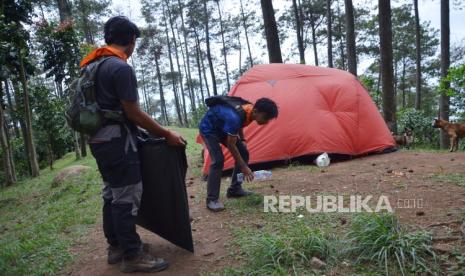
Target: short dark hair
(120,30)
(266,106)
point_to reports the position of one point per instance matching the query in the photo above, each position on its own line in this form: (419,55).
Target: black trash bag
(164,208)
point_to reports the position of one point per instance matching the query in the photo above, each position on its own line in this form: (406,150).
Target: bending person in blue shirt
(222,124)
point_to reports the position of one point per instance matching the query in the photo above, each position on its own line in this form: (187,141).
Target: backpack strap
(114,115)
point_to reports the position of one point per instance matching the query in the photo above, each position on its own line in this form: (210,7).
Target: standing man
(222,124)
(115,150)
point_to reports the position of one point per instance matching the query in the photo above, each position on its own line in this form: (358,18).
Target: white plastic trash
(258,175)
(322,160)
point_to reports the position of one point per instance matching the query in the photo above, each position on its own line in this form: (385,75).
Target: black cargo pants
(212,142)
(118,163)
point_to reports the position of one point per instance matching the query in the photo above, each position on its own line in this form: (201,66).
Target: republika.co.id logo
(327,204)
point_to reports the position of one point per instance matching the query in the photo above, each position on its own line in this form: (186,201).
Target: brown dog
(405,140)
(454,130)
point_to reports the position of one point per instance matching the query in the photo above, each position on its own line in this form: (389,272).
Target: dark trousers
(122,191)
(213,144)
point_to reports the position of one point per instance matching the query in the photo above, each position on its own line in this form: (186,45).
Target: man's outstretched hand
(248,174)
(175,139)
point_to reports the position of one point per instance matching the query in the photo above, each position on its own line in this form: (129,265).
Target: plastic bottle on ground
(258,175)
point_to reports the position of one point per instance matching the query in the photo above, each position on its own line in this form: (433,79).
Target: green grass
(193,149)
(453,178)
(380,239)
(350,244)
(39,224)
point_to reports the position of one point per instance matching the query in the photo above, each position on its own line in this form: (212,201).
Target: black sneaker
(215,206)
(115,253)
(143,262)
(238,193)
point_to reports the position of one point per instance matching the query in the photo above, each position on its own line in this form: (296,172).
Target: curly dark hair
(120,30)
(267,106)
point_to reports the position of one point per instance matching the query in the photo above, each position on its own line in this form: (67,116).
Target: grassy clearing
(349,244)
(453,178)
(39,224)
(382,240)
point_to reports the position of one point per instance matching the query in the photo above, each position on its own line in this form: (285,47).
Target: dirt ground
(426,189)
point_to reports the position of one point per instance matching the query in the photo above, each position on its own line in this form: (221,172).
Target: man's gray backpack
(82,112)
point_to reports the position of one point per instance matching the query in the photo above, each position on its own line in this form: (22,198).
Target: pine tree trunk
(385,35)
(176,55)
(209,56)
(8,166)
(77,148)
(350,37)
(35,171)
(199,71)
(240,52)
(88,35)
(298,28)
(22,123)
(224,46)
(341,42)
(314,42)
(271,32)
(329,33)
(83,141)
(144,93)
(187,72)
(418,57)
(444,100)
(64,9)
(173,81)
(160,87)
(244,24)
(403,84)
(12,110)
(187,63)
(51,156)
(200,65)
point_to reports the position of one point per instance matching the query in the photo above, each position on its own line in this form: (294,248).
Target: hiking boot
(215,206)
(115,253)
(143,262)
(238,193)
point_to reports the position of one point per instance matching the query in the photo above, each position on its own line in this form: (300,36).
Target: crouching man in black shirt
(114,147)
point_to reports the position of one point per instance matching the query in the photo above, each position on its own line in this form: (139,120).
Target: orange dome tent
(320,110)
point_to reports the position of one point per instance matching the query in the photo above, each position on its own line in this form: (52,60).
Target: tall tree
(329,33)
(271,32)
(186,57)
(340,35)
(350,37)
(64,10)
(223,49)
(385,36)
(444,100)
(30,143)
(207,41)
(299,30)
(418,57)
(8,164)
(87,16)
(176,54)
(245,25)
(172,73)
